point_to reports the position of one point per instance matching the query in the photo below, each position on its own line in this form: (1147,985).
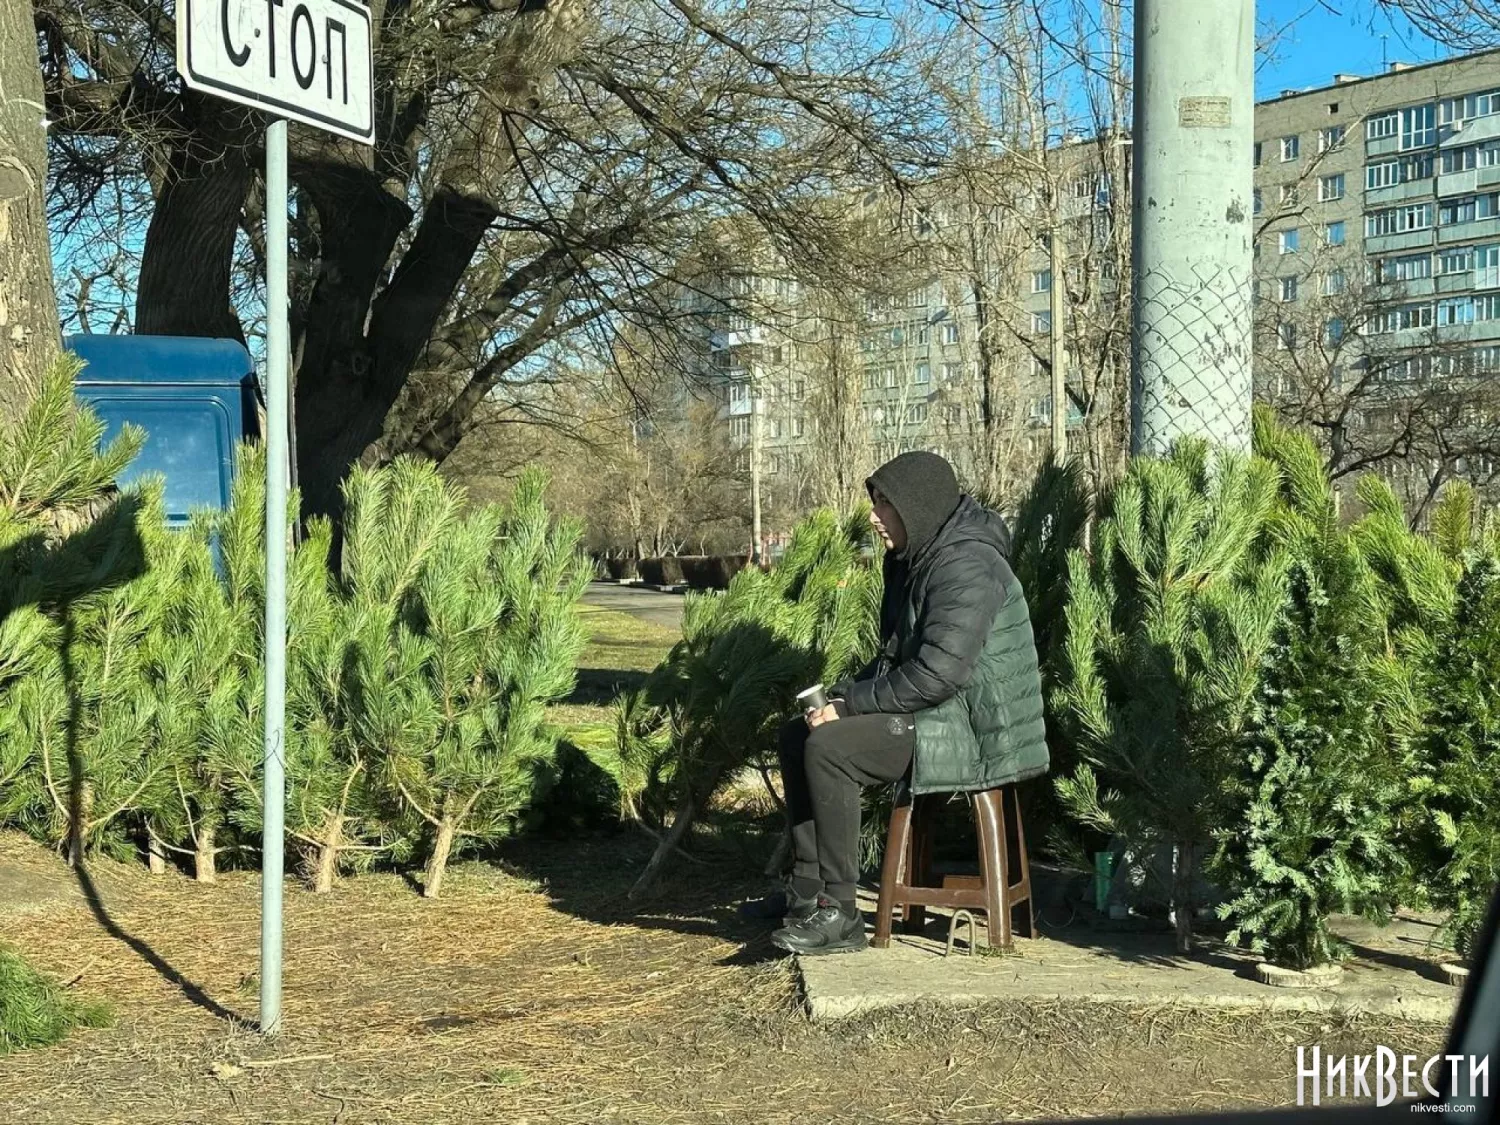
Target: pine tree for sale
(1168,625)
(53,476)
(205,664)
(746,652)
(490,637)
(1314,793)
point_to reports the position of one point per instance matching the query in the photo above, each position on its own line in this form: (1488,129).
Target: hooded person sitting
(954,696)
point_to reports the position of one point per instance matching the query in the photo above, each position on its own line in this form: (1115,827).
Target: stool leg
(892,871)
(1024,922)
(918,864)
(989,817)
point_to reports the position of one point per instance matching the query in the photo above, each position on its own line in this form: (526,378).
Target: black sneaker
(785,905)
(827,930)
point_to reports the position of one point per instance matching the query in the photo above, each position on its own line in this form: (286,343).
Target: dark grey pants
(823,771)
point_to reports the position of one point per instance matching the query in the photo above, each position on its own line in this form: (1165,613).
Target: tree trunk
(687,808)
(1182,896)
(156,855)
(189,252)
(204,866)
(437,863)
(328,858)
(29,334)
(83,808)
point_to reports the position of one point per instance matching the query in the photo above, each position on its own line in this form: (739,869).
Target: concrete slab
(1393,974)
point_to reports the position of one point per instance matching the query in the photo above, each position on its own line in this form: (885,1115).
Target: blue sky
(1313,39)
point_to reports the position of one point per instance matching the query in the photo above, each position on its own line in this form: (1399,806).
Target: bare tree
(535,167)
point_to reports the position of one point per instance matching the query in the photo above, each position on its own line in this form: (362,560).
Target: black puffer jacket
(960,601)
(958,650)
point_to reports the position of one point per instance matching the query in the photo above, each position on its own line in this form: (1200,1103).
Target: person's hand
(828,714)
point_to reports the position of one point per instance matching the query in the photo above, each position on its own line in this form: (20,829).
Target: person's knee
(825,750)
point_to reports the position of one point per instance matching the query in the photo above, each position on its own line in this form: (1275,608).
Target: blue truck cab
(197,399)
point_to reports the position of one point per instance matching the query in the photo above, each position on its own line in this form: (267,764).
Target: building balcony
(1385,146)
(1459,183)
(1456,282)
(1485,332)
(1488,177)
(1389,243)
(1398,193)
(1408,290)
(1470,131)
(1485,230)
(723,338)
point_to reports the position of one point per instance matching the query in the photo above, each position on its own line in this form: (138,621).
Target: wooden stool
(1001,889)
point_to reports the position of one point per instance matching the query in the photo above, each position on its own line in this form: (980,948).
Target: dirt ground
(533,992)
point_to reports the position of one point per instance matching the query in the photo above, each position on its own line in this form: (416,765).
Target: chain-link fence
(1193,341)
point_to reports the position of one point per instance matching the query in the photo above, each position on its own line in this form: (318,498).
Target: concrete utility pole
(1191,222)
(1059,349)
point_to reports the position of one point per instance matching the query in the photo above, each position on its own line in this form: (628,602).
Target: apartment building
(1378,241)
(1377,263)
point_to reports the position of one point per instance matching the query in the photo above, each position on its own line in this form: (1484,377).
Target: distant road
(648,605)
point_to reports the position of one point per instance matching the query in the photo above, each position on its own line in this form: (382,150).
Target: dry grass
(533,991)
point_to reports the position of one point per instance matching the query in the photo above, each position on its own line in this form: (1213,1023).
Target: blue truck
(197,399)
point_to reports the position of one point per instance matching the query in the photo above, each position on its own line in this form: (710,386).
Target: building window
(1419,126)
(799,424)
(1333,136)
(1288,195)
(775,428)
(1041,281)
(1334,283)
(1333,233)
(916,299)
(1256,201)
(1041,323)
(916,412)
(890,377)
(1385,174)
(1470,105)
(1487,306)
(1455,310)
(739,393)
(917,333)
(1288,288)
(1331,188)
(950,332)
(951,372)
(1487,267)
(1291,148)
(953,414)
(1257,154)
(799,389)
(1401,319)
(1287,242)
(1460,260)
(922,374)
(1408,267)
(1460,160)
(1333,332)
(872,378)
(1385,125)
(739,427)
(1398,220)
(1286,336)
(1469,210)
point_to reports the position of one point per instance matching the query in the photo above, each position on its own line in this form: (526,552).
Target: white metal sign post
(308,61)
